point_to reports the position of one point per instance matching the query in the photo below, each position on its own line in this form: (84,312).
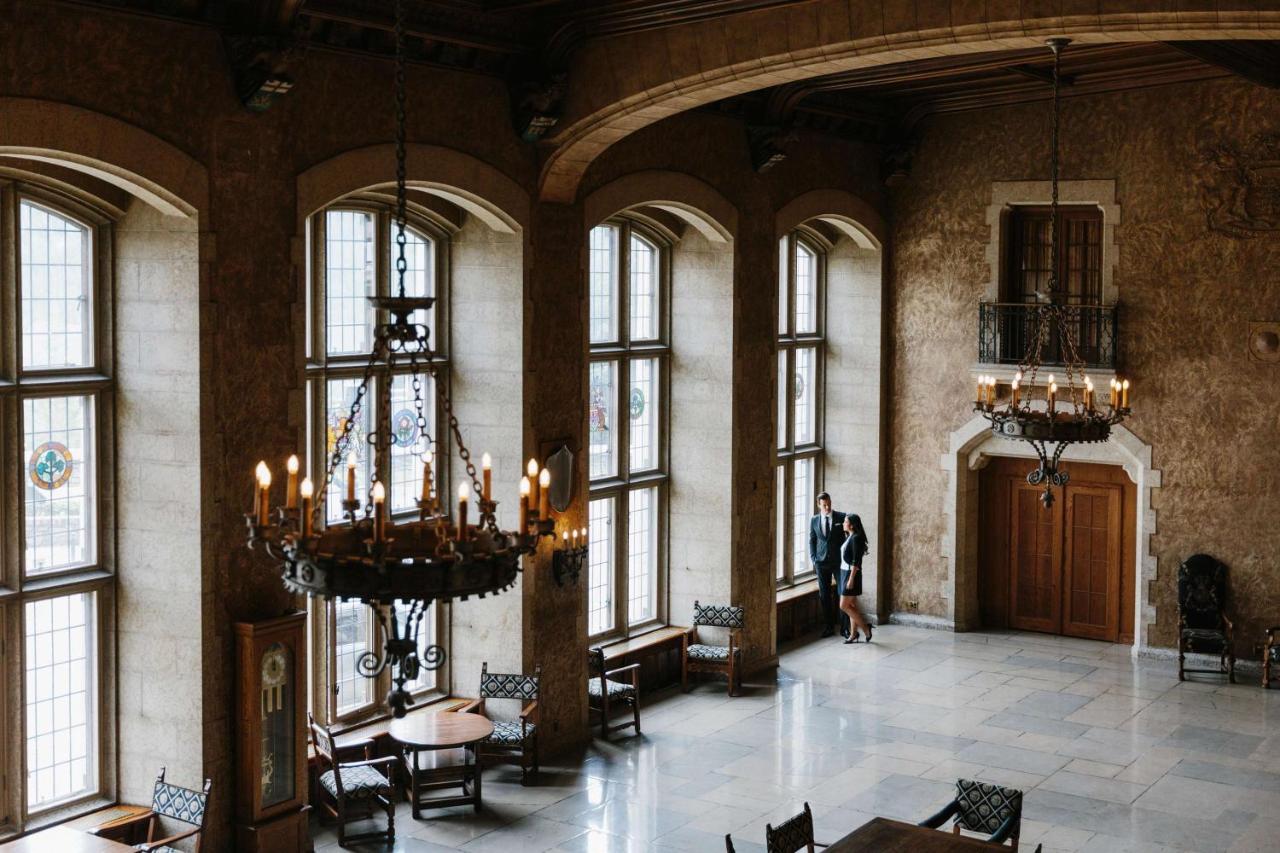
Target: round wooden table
(429,731)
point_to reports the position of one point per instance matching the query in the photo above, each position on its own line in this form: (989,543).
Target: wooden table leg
(475,751)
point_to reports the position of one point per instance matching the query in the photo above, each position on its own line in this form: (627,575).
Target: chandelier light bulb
(532,468)
(379,493)
(352,459)
(525,487)
(307,488)
(264,475)
(292,464)
(464,492)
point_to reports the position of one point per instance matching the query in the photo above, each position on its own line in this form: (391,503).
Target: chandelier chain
(401,175)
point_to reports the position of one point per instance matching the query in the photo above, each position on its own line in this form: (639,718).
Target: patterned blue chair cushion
(718,615)
(496,685)
(506,733)
(617,690)
(985,807)
(700,651)
(165,849)
(178,803)
(357,782)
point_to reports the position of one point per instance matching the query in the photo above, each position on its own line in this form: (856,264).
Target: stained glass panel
(784,389)
(806,290)
(806,408)
(409,443)
(603,278)
(784,297)
(801,510)
(601,418)
(339,395)
(61,687)
(349,253)
(642,404)
(780,520)
(55,267)
(600,566)
(59,473)
(419,275)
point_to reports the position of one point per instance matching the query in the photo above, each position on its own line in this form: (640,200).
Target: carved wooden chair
(182,806)
(792,835)
(606,691)
(697,656)
(354,790)
(983,807)
(1271,656)
(1203,625)
(512,741)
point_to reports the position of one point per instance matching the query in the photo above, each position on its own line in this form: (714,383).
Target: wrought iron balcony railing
(1005,329)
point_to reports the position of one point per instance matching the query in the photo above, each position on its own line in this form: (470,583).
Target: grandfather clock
(271,736)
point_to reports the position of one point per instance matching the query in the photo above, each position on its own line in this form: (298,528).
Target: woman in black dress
(851,554)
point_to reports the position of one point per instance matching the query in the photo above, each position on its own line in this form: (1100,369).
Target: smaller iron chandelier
(1045,416)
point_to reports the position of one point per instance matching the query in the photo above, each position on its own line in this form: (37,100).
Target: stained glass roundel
(50,466)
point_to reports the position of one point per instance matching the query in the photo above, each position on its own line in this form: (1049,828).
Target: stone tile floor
(1113,754)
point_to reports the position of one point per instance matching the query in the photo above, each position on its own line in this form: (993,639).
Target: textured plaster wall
(1188,293)
(701,462)
(487,279)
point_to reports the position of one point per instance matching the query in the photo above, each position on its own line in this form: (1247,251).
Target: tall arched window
(56,543)
(353,257)
(801,331)
(628,457)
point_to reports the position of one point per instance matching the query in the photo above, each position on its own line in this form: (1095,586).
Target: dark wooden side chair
(1271,656)
(512,741)
(792,835)
(1203,625)
(353,790)
(184,807)
(697,656)
(606,690)
(983,807)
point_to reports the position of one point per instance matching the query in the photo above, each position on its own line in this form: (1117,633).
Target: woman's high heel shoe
(853,638)
(868,633)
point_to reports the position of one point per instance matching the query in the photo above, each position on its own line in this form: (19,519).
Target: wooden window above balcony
(1028,247)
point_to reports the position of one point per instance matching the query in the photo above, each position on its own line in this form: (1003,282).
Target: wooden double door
(1065,569)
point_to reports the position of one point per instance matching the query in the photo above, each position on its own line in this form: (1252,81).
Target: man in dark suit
(826,535)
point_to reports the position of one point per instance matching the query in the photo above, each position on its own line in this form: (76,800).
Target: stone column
(555,381)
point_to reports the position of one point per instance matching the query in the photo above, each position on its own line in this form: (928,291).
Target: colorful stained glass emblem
(799,385)
(405,425)
(599,418)
(337,423)
(50,466)
(637,403)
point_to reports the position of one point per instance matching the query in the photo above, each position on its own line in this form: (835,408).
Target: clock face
(275,667)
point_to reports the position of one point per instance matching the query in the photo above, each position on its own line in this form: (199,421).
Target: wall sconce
(569,557)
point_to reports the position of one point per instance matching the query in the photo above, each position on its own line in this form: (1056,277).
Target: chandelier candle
(1124,395)
(291,487)
(486,468)
(426,481)
(264,492)
(464,497)
(532,470)
(351,477)
(379,512)
(544,494)
(524,503)
(307,491)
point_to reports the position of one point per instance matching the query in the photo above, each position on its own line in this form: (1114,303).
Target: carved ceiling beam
(490,39)
(1255,61)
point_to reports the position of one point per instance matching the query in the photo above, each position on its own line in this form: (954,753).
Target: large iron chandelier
(1040,412)
(398,568)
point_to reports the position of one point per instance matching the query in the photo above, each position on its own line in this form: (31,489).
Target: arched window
(56,541)
(353,253)
(626,413)
(801,351)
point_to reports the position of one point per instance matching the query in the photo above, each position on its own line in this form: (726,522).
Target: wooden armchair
(792,835)
(353,790)
(983,807)
(1270,655)
(605,691)
(180,805)
(697,656)
(512,741)
(1203,625)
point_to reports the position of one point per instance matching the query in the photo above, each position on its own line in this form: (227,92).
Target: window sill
(652,639)
(799,590)
(378,727)
(62,814)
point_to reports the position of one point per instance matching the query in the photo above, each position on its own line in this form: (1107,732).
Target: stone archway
(970,447)
(639,78)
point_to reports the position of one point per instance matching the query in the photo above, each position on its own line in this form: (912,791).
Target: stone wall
(1188,293)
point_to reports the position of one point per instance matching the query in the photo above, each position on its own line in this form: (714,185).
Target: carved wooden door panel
(1035,561)
(1091,562)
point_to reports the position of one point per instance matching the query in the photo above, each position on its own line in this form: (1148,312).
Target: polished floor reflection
(1113,755)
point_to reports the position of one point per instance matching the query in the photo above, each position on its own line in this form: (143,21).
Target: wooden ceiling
(531,40)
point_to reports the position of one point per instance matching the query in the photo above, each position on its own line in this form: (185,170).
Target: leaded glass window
(801,346)
(353,253)
(56,568)
(627,283)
